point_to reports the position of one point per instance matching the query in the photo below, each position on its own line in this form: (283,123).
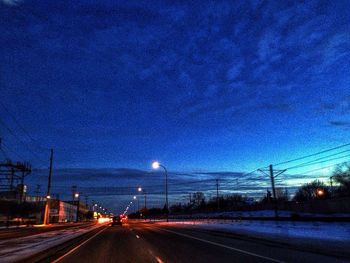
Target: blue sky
(206,85)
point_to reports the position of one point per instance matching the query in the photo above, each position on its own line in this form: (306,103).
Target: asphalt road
(145,242)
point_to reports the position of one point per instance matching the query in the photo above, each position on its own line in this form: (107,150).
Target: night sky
(206,86)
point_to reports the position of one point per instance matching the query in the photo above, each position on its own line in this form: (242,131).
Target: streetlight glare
(139,189)
(320,192)
(76,195)
(155,165)
(134,197)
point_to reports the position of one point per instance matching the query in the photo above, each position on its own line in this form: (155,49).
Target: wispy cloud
(11,2)
(340,123)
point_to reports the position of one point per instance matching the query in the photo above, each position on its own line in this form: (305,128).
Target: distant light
(76,195)
(139,189)
(95,204)
(134,197)
(48,197)
(320,192)
(102,220)
(155,165)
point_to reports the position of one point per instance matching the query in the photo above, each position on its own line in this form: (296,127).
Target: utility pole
(217,194)
(273,189)
(47,207)
(331,182)
(272,178)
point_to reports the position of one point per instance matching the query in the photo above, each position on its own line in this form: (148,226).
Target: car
(117,220)
(124,218)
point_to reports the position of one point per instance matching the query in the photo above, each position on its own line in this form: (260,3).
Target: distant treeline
(338,186)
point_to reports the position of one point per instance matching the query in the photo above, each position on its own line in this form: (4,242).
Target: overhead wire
(315,162)
(313,154)
(22,142)
(13,152)
(21,127)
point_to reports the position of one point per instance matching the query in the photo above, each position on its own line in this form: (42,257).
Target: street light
(144,192)
(156,165)
(320,192)
(139,189)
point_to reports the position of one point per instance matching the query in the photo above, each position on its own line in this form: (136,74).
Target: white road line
(72,250)
(157,258)
(221,245)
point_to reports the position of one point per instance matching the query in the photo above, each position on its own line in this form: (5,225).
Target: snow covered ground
(261,213)
(338,231)
(12,250)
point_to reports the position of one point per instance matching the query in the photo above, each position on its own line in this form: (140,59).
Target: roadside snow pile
(259,213)
(15,249)
(315,230)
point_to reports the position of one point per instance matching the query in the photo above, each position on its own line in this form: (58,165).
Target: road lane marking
(72,250)
(137,236)
(223,246)
(159,260)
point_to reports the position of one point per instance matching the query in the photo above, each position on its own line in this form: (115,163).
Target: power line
(314,162)
(314,154)
(21,127)
(9,150)
(327,156)
(325,167)
(2,150)
(19,140)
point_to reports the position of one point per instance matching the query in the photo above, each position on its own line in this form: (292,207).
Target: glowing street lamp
(76,195)
(156,165)
(320,192)
(139,189)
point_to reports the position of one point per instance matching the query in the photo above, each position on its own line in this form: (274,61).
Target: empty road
(149,242)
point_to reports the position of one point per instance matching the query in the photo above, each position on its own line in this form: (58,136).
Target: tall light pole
(156,165)
(135,205)
(77,197)
(139,190)
(48,196)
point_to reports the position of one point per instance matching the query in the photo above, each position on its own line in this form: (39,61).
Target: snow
(261,213)
(15,249)
(336,231)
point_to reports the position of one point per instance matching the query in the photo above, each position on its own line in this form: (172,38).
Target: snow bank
(15,249)
(315,230)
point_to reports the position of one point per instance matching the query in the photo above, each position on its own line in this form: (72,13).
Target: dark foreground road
(142,242)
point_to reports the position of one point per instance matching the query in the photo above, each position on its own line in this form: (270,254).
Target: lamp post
(135,205)
(331,182)
(76,196)
(156,165)
(139,190)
